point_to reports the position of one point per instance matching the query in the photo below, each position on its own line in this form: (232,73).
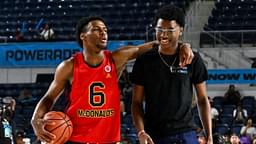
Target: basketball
(62,128)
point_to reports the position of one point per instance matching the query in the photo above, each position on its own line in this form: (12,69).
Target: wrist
(140,132)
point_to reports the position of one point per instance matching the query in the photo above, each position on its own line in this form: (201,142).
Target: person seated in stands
(214,113)
(127,96)
(240,115)
(9,103)
(20,135)
(232,96)
(19,35)
(47,32)
(248,130)
(7,126)
(25,97)
(234,139)
(218,139)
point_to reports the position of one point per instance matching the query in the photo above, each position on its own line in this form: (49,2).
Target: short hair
(82,26)
(171,12)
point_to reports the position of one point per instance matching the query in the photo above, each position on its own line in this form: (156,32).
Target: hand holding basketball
(62,128)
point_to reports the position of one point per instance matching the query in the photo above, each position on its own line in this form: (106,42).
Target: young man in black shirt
(167,88)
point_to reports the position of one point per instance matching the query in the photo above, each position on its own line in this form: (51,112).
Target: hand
(144,138)
(209,141)
(42,134)
(186,54)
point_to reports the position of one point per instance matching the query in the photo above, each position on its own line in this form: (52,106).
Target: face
(249,122)
(167,32)
(234,139)
(201,140)
(96,35)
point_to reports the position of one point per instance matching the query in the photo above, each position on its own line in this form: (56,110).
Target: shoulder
(66,67)
(196,54)
(197,58)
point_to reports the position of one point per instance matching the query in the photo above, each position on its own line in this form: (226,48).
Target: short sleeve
(199,70)
(137,72)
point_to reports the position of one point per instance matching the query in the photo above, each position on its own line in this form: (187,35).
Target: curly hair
(171,12)
(82,26)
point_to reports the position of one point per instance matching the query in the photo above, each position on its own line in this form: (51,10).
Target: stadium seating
(222,129)
(231,22)
(126,19)
(218,100)
(236,128)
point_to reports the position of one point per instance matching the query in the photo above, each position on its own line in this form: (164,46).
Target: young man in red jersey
(94,102)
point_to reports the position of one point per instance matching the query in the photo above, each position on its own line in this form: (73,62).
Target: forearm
(137,114)
(43,106)
(144,48)
(205,115)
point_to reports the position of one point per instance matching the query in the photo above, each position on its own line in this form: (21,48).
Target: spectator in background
(240,115)
(214,114)
(248,130)
(19,35)
(25,97)
(20,135)
(47,32)
(234,139)
(253,66)
(218,139)
(127,95)
(232,96)
(9,103)
(7,126)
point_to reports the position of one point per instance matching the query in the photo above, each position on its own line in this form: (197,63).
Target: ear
(181,31)
(82,36)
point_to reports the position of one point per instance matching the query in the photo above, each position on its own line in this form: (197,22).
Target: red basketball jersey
(94,101)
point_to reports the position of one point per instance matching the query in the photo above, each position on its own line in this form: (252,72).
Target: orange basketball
(62,128)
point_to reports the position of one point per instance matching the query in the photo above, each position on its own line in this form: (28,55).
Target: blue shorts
(188,137)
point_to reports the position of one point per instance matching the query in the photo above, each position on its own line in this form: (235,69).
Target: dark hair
(82,26)
(171,12)
(218,139)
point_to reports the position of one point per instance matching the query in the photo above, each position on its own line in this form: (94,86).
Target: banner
(229,76)
(45,54)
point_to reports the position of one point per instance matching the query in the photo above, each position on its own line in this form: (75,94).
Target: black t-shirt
(168,95)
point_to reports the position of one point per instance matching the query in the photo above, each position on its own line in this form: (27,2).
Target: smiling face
(168,32)
(95,36)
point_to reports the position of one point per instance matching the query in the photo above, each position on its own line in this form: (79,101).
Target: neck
(93,58)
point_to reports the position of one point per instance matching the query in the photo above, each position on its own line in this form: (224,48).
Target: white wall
(22,75)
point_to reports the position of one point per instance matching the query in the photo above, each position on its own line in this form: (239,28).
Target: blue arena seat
(236,128)
(222,129)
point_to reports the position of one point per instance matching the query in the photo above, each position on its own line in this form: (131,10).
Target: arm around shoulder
(122,55)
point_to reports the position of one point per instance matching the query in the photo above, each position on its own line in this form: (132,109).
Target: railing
(238,38)
(3,39)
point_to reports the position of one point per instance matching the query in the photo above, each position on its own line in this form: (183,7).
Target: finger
(189,60)
(143,141)
(182,62)
(48,122)
(45,139)
(49,135)
(150,141)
